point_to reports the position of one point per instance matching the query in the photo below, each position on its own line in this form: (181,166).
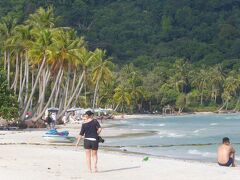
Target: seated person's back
(226,153)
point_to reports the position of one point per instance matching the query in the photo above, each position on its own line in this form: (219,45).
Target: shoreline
(136,116)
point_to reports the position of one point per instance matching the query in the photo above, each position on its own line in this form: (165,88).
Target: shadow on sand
(119,169)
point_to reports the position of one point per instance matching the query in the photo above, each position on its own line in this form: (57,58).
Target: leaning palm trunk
(5,59)
(236,107)
(202,97)
(44,85)
(78,94)
(57,93)
(66,91)
(95,93)
(180,110)
(33,89)
(224,104)
(14,84)
(32,84)
(67,85)
(80,90)
(8,68)
(21,83)
(27,81)
(73,82)
(116,107)
(51,96)
(73,95)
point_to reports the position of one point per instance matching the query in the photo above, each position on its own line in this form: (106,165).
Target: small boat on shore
(59,139)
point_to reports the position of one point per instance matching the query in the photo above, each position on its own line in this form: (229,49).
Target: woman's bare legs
(95,159)
(88,156)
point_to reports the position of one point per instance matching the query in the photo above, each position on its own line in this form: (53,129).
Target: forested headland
(132,55)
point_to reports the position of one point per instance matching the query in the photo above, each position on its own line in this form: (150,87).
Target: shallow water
(187,137)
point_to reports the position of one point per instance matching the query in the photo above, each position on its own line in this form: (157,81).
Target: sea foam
(204,154)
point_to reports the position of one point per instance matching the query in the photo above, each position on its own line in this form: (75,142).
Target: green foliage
(178,53)
(130,30)
(8,102)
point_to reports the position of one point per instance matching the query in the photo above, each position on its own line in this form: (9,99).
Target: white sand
(25,162)
(38,162)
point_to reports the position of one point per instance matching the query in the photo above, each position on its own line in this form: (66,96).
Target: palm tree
(7,26)
(101,71)
(216,77)
(181,78)
(42,18)
(231,85)
(67,44)
(19,42)
(39,53)
(84,59)
(106,93)
(201,81)
(122,97)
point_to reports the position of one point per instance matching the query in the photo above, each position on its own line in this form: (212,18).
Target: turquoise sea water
(193,137)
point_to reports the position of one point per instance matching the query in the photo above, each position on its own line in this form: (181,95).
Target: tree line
(49,65)
(146,32)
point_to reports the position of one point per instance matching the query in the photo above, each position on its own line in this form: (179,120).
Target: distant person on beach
(54,119)
(49,121)
(226,153)
(90,130)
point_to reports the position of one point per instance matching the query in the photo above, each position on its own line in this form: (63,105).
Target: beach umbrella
(53,109)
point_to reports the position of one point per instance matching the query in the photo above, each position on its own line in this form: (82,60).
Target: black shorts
(90,144)
(229,163)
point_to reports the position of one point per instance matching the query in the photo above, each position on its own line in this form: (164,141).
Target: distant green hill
(148,31)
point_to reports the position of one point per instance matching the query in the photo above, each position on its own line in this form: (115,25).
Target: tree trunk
(33,89)
(50,98)
(116,107)
(14,84)
(215,97)
(5,60)
(71,98)
(95,93)
(20,82)
(202,97)
(224,104)
(44,86)
(78,94)
(27,80)
(57,93)
(32,84)
(73,82)
(8,68)
(66,91)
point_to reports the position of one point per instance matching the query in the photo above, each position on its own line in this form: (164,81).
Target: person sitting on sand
(90,130)
(226,153)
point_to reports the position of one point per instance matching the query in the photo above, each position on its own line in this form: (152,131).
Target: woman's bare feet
(95,170)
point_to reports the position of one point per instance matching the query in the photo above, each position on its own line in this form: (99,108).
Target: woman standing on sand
(90,130)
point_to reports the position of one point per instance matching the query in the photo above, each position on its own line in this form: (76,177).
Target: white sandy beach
(21,160)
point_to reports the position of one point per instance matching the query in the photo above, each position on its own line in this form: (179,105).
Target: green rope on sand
(145,158)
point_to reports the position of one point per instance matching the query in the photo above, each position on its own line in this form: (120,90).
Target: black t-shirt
(89,130)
